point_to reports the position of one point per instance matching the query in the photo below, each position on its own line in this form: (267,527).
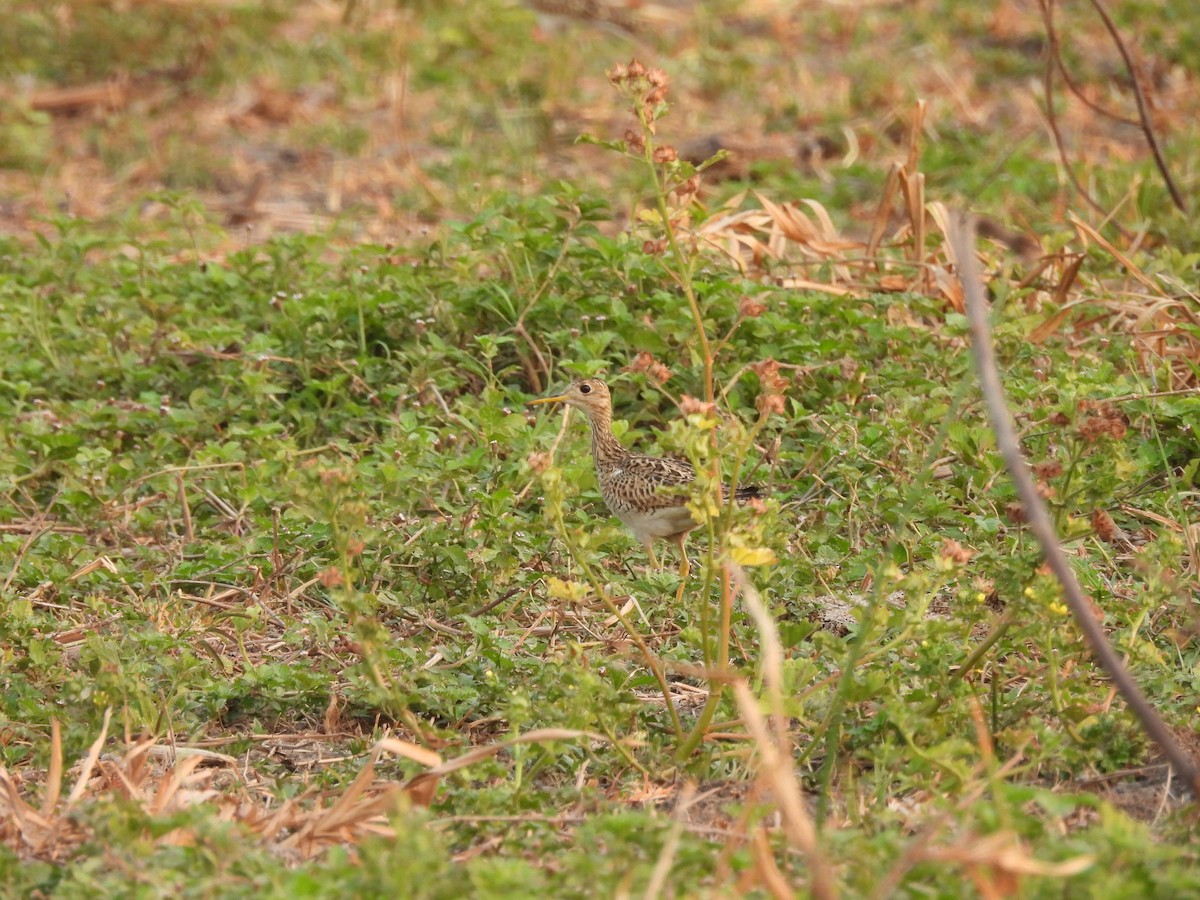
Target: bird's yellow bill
(546,400)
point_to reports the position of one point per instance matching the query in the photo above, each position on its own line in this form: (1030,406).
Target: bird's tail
(748,492)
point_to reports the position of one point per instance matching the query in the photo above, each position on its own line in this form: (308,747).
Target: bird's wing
(639,479)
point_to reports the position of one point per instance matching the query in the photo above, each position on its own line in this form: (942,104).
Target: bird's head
(588,394)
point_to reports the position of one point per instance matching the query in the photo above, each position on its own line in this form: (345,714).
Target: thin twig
(1052,121)
(962,239)
(1056,52)
(488,607)
(1142,106)
(189,534)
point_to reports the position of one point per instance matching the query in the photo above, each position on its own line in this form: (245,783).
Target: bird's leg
(685,566)
(654,563)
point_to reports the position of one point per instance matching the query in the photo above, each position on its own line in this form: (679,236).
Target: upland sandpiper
(637,489)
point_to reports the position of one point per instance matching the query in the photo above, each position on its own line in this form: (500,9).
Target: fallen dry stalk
(300,828)
(774,747)
(962,238)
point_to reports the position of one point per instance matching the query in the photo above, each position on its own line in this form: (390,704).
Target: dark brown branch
(1052,121)
(1056,53)
(1143,110)
(962,239)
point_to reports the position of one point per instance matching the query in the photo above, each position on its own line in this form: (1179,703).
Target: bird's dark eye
(585,389)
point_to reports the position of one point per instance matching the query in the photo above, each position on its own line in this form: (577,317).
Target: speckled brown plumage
(638,489)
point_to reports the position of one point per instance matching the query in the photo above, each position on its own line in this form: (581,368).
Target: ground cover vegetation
(299,599)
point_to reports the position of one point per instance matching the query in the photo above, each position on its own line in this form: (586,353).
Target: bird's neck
(605,446)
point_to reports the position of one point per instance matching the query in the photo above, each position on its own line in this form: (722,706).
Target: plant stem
(716,686)
(651,662)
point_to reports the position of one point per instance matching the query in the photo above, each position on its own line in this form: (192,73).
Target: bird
(644,492)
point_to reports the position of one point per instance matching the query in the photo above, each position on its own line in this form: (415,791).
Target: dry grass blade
(792,224)
(1067,279)
(89,763)
(1043,332)
(1087,231)
(774,748)
(169,788)
(962,236)
(662,868)
(354,810)
(1003,853)
(108,95)
(924,837)
(420,788)
(129,779)
(778,772)
(946,283)
(161,780)
(54,776)
(884,211)
(767,868)
(828,230)
(781,231)
(538,736)
(409,750)
(912,184)
(802,284)
(21,823)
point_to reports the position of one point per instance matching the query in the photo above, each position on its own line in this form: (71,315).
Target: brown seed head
(689,405)
(769,404)
(334,477)
(955,552)
(1106,529)
(749,308)
(645,362)
(768,375)
(688,189)
(1102,420)
(1047,470)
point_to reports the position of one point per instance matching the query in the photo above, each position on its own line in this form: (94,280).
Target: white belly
(657,523)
